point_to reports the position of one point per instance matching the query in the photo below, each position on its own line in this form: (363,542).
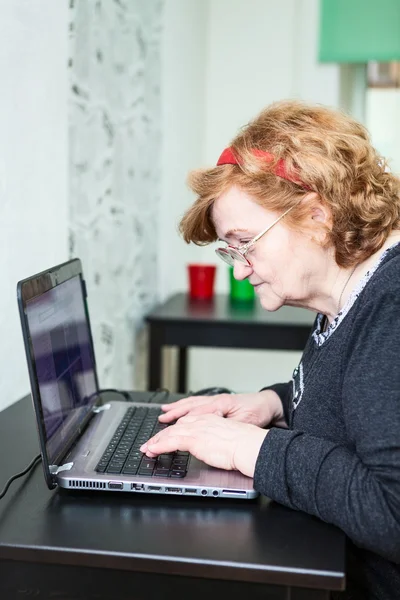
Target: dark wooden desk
(219,323)
(104,546)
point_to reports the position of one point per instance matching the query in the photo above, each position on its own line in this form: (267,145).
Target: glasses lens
(230,255)
(224,255)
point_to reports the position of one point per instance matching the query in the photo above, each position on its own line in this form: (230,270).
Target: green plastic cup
(240,291)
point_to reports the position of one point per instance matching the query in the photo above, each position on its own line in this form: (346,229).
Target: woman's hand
(223,443)
(261,408)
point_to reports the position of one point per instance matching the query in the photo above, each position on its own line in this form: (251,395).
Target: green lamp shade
(359,31)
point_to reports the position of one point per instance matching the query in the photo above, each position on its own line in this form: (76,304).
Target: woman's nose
(240,270)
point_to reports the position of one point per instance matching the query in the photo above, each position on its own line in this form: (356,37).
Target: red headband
(228,158)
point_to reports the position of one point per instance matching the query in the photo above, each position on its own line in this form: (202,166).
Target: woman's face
(287,267)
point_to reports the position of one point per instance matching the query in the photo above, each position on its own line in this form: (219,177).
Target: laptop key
(120,452)
(102,466)
(177,462)
(178,468)
(131,465)
(114,469)
(161,472)
(178,474)
(164,462)
(116,463)
(145,473)
(148,461)
(146,467)
(135,456)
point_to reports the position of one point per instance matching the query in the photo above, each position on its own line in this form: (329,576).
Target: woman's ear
(319,216)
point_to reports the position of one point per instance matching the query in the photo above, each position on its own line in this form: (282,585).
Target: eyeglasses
(230,253)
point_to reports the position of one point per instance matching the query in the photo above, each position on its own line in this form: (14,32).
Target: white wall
(33,163)
(260,52)
(183,55)
(249,64)
(383,122)
(257,51)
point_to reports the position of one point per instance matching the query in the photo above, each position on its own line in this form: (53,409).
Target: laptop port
(115,485)
(190,490)
(137,486)
(233,493)
(154,488)
(174,490)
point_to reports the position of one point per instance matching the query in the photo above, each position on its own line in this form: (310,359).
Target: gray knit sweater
(340,458)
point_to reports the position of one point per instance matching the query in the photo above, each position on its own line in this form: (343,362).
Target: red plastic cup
(201,281)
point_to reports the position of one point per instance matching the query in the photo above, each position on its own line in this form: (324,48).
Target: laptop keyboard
(122,454)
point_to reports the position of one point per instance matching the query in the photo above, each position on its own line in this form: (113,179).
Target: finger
(176,415)
(169,444)
(182,409)
(168,417)
(173,431)
(159,436)
(178,403)
(152,440)
(189,401)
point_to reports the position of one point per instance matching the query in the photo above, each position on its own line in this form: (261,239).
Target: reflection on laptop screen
(64,360)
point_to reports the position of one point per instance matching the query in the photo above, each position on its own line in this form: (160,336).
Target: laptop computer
(88,438)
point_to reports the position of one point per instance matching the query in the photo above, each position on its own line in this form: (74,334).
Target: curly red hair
(330,153)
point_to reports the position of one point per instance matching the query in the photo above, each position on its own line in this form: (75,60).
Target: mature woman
(310,215)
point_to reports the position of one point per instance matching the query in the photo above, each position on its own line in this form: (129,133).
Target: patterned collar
(321,336)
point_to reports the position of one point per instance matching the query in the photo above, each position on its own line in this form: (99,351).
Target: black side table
(219,323)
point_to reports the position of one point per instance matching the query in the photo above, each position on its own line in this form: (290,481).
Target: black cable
(126,395)
(32,464)
(159,391)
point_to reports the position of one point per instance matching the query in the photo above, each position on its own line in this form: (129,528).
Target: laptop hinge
(98,409)
(55,469)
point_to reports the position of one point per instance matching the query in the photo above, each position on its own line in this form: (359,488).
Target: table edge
(206,569)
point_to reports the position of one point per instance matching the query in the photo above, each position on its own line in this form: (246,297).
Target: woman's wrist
(277,415)
(246,455)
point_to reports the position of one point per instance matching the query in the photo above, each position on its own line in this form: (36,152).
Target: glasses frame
(230,253)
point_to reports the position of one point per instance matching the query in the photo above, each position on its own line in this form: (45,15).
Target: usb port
(233,493)
(115,485)
(154,488)
(174,490)
(190,490)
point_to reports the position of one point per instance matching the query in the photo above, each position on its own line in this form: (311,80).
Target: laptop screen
(64,361)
